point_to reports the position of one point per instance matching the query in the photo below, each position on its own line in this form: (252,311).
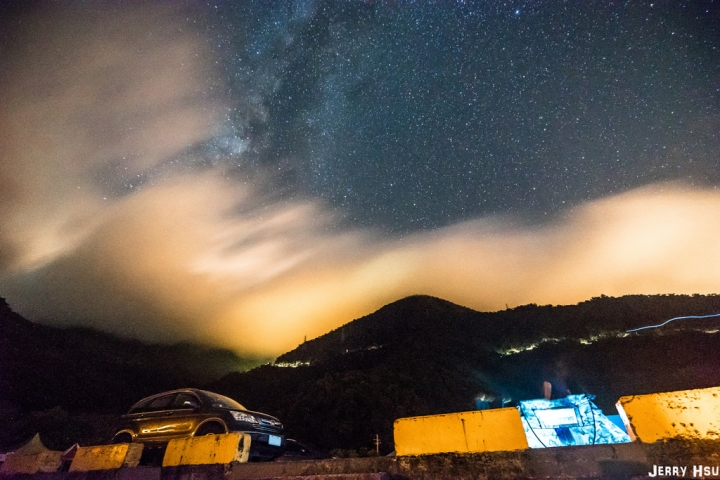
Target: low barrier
(208,450)
(688,414)
(466,432)
(49,461)
(31,458)
(106,457)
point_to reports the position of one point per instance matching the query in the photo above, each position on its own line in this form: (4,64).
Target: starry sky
(416,115)
(248,174)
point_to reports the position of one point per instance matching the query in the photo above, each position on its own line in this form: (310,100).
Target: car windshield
(222,401)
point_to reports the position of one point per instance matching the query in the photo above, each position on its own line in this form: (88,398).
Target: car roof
(205,396)
(196,391)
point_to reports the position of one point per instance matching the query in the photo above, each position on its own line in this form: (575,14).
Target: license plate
(274,440)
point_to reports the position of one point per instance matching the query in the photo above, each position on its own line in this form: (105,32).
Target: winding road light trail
(673,319)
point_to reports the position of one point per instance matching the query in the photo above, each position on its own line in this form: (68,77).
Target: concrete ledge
(341,476)
(690,414)
(106,457)
(621,461)
(208,450)
(466,432)
(49,461)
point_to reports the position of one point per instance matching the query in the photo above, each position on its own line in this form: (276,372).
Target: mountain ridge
(422,356)
(519,325)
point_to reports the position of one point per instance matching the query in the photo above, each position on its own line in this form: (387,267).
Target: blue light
(573,420)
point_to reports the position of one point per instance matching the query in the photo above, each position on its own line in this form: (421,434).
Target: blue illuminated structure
(573,420)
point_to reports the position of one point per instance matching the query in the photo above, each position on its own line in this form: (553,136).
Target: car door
(151,418)
(167,417)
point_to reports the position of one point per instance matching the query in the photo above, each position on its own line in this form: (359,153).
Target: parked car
(190,412)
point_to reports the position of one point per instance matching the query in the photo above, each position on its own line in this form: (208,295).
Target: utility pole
(377,444)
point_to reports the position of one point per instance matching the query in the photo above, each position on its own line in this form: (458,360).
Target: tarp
(573,420)
(33,447)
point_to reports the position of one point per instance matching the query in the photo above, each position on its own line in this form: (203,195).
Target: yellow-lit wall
(693,414)
(104,457)
(466,432)
(207,450)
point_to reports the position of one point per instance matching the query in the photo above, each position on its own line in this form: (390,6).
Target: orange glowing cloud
(659,239)
(88,90)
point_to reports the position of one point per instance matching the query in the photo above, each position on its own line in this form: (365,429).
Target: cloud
(658,239)
(92,97)
(87,236)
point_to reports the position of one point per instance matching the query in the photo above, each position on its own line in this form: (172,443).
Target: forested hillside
(72,383)
(422,355)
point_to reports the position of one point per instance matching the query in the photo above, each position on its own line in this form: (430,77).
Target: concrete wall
(691,414)
(208,450)
(106,457)
(467,432)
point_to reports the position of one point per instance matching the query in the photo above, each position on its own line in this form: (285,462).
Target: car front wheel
(210,429)
(122,438)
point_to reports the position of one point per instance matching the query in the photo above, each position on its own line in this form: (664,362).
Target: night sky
(200,171)
(416,115)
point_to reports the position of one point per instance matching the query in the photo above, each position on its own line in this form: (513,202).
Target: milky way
(249,174)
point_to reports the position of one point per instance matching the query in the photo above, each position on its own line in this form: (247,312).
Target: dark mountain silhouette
(420,355)
(70,383)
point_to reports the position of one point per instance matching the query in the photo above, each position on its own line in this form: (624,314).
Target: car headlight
(244,417)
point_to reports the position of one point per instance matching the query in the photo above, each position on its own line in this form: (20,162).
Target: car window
(160,403)
(186,400)
(141,406)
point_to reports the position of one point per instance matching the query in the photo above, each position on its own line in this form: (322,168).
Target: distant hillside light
(292,364)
